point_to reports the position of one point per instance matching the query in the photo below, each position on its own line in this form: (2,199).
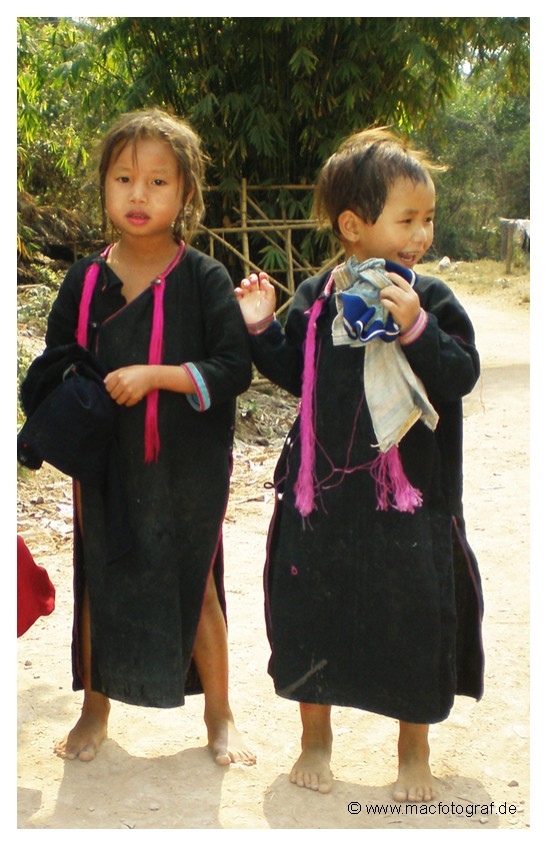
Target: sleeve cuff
(415,331)
(200,399)
(261,326)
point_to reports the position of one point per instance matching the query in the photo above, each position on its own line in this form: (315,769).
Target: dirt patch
(154,772)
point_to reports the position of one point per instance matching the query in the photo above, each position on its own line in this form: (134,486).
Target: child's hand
(256,297)
(128,385)
(402,301)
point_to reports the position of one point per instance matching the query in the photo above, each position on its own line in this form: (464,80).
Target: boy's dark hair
(361,172)
(186,146)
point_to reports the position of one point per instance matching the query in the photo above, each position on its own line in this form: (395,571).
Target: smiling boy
(372,602)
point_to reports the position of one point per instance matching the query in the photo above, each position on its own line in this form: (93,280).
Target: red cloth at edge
(35,592)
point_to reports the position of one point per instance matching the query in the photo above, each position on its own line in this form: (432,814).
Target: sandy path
(154,771)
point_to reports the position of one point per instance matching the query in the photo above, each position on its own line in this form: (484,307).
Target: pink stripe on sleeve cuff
(416,330)
(261,326)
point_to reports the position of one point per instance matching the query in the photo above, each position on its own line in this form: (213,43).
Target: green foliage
(270,97)
(36,303)
(484,138)
(24,360)
(68,88)
(272,259)
(26,246)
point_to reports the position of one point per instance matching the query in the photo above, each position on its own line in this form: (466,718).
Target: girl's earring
(178,225)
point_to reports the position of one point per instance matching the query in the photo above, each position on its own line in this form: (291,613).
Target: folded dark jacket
(71,423)
(71,419)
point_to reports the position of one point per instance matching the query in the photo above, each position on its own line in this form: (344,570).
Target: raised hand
(256,297)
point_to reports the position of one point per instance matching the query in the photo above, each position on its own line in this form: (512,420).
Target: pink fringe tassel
(151,433)
(304,488)
(392,486)
(90,281)
(393,490)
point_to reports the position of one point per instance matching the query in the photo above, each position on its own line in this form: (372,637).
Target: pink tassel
(155,355)
(155,351)
(90,281)
(392,486)
(151,433)
(304,487)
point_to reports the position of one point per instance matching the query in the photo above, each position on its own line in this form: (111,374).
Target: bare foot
(84,739)
(312,770)
(415,782)
(227,745)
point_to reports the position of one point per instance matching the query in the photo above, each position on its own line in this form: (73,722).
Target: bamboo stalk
(290,266)
(268,188)
(244,235)
(303,265)
(240,255)
(264,226)
(225,230)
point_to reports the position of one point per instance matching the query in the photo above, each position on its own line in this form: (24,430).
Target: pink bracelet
(257,328)
(415,330)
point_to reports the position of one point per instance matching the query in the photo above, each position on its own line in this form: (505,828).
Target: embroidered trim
(201,399)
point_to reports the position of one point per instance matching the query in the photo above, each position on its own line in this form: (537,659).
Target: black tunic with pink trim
(378,610)
(145,605)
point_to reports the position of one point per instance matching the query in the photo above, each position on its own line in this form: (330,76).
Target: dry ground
(154,772)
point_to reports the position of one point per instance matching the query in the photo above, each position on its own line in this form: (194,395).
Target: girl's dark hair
(361,172)
(186,145)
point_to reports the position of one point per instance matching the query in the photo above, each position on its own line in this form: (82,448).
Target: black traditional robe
(145,606)
(376,610)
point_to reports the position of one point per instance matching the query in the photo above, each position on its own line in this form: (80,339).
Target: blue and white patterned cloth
(396,397)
